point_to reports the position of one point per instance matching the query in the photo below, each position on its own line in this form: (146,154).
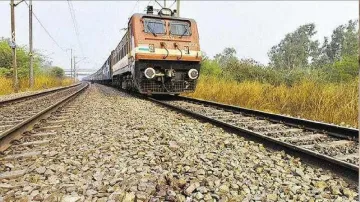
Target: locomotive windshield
(154,26)
(180,28)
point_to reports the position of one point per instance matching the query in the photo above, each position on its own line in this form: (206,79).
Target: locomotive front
(166,53)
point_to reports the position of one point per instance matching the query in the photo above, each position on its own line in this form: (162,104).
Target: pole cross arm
(80,60)
(18,2)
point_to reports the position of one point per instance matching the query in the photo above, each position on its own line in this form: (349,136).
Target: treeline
(41,65)
(297,57)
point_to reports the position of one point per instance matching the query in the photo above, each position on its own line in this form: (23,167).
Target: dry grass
(41,82)
(332,103)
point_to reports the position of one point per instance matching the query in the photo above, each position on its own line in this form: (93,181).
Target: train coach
(159,54)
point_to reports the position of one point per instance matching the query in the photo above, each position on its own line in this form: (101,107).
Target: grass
(327,102)
(41,82)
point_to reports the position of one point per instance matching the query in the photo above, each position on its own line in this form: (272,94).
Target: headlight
(149,73)
(193,74)
(165,11)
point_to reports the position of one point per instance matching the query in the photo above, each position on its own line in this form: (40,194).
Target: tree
(227,57)
(204,56)
(5,54)
(22,56)
(57,72)
(343,42)
(297,49)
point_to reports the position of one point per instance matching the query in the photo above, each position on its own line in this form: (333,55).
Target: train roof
(140,15)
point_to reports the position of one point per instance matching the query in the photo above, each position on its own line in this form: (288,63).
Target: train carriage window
(180,28)
(154,26)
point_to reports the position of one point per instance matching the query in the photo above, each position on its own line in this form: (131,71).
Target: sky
(251,27)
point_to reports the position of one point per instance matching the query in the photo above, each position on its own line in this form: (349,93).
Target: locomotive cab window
(180,28)
(154,26)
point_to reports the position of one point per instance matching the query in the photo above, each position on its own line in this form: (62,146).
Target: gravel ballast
(116,147)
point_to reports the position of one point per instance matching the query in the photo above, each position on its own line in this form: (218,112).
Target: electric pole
(164,3)
(74,68)
(13,47)
(358,68)
(359,73)
(31,73)
(71,63)
(75,74)
(178,8)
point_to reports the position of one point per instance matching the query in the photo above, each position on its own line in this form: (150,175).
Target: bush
(344,70)
(41,82)
(210,67)
(330,102)
(57,72)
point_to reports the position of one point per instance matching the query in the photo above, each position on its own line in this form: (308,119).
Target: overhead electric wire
(75,24)
(125,24)
(76,27)
(172,4)
(159,3)
(134,7)
(149,3)
(47,32)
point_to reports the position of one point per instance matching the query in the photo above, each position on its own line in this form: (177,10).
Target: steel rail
(3,102)
(345,169)
(15,132)
(333,130)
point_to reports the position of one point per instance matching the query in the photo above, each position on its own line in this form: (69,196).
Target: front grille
(178,86)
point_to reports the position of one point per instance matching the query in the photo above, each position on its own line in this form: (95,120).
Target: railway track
(67,156)
(21,114)
(34,95)
(329,146)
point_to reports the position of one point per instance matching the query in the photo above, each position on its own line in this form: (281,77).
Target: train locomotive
(159,54)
